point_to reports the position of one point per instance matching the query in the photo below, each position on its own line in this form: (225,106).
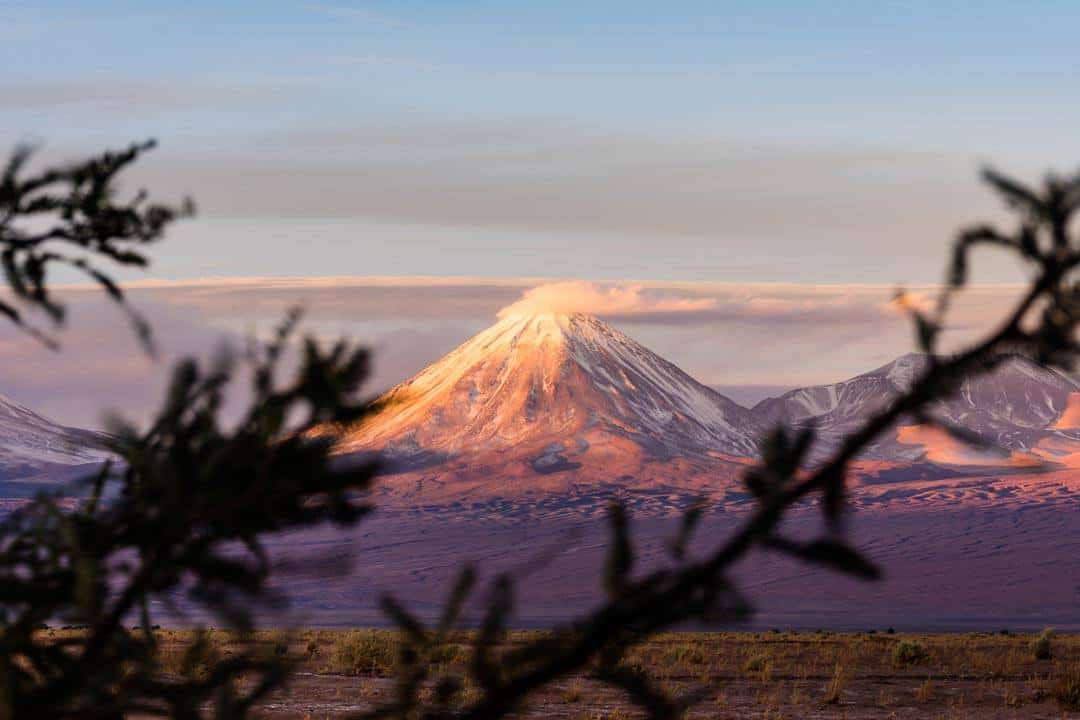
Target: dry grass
(364,652)
(1043,646)
(1067,688)
(926,691)
(835,689)
(757,675)
(910,653)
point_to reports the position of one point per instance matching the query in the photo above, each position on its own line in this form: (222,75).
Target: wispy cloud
(702,197)
(612,300)
(142,96)
(721,333)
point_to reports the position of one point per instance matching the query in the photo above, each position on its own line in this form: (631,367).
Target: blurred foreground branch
(184,507)
(185,510)
(70,216)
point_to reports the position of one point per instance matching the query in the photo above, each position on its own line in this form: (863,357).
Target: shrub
(364,652)
(756,663)
(910,653)
(685,654)
(1043,646)
(1067,689)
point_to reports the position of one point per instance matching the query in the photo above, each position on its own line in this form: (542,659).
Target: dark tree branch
(66,216)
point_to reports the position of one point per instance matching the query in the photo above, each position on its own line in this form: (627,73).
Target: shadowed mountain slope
(34,447)
(1015,407)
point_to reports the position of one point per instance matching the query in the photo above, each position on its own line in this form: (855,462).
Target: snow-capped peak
(1012,407)
(562,381)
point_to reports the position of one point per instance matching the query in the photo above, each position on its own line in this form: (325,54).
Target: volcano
(548,393)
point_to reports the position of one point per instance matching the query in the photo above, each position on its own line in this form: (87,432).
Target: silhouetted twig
(70,216)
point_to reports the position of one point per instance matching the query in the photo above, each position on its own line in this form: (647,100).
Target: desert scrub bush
(364,652)
(1043,645)
(1067,688)
(908,652)
(278,642)
(281,647)
(756,664)
(193,658)
(685,654)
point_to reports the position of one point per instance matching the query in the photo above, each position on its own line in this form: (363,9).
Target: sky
(763,151)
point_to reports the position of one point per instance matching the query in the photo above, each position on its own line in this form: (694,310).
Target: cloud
(100,368)
(395,196)
(355,303)
(704,204)
(613,300)
(721,333)
(707,303)
(122,96)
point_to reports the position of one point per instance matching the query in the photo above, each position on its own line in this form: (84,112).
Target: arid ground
(958,553)
(774,674)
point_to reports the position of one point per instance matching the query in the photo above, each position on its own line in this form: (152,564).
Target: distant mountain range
(553,400)
(548,394)
(1015,408)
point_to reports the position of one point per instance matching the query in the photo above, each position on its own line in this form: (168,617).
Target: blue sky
(832,146)
(706,66)
(764,141)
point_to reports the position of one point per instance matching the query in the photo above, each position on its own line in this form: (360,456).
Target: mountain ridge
(552,394)
(35,447)
(1013,407)
(535,394)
